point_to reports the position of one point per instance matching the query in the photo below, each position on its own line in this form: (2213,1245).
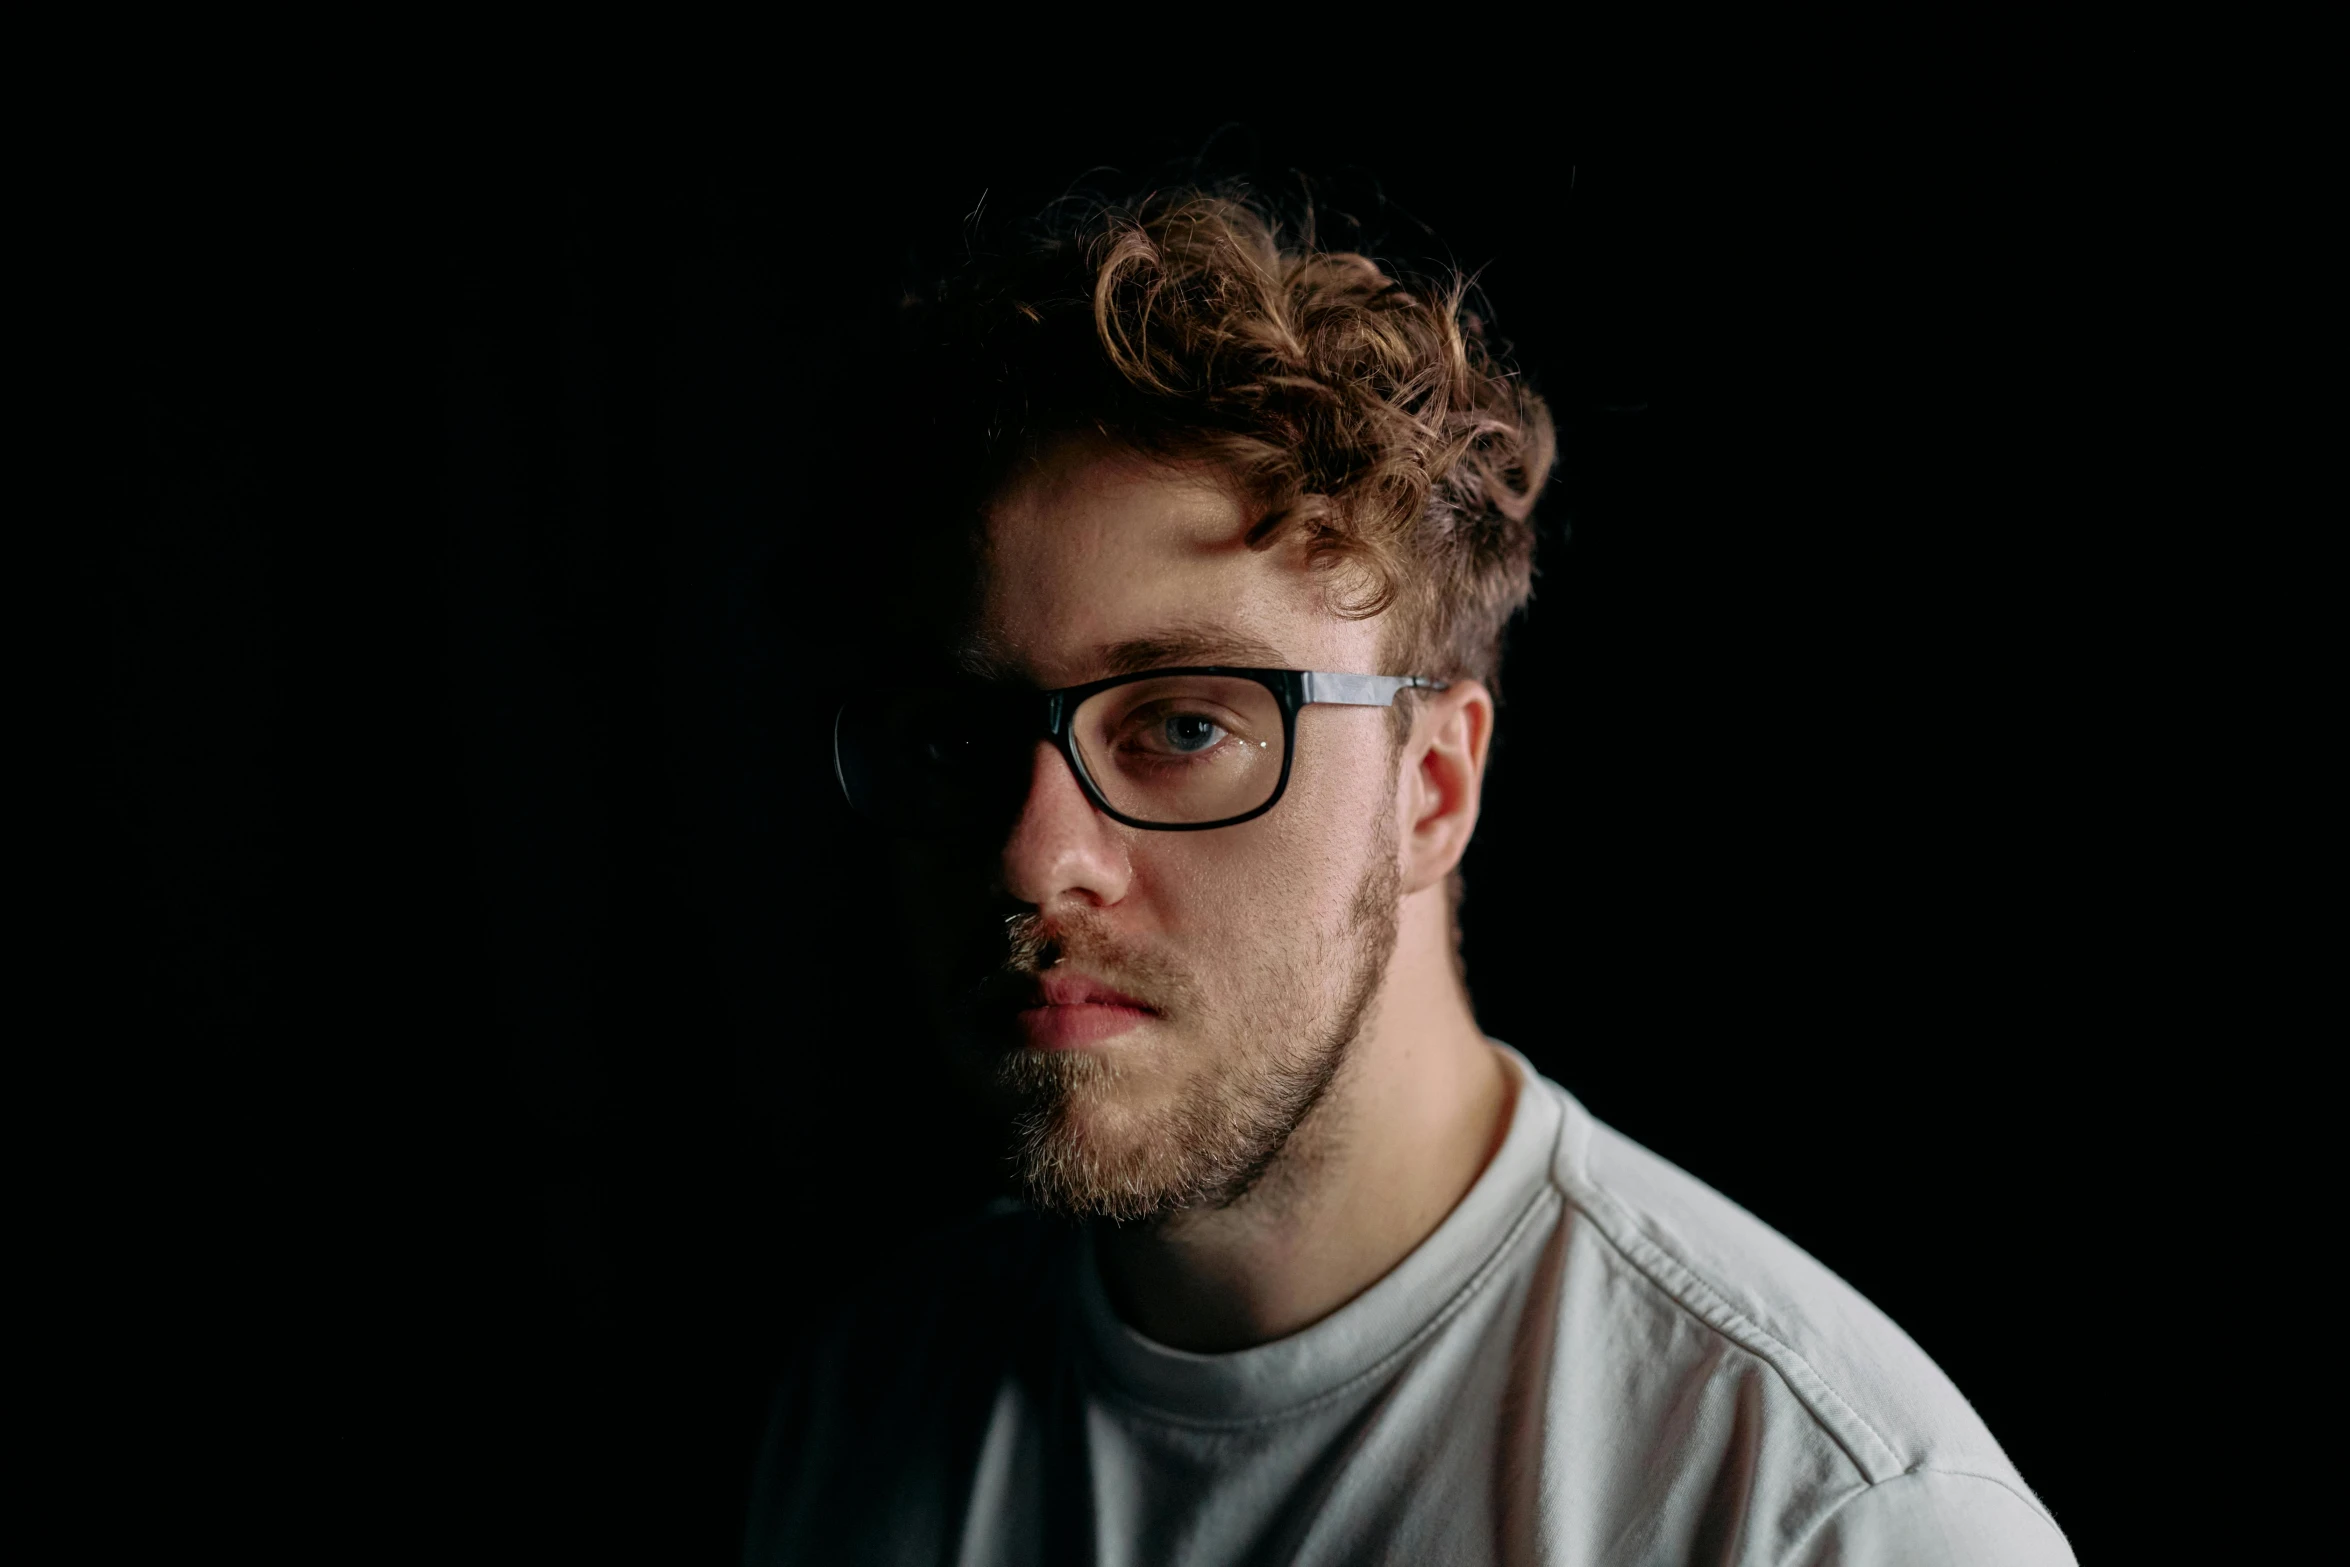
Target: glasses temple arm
(1364,690)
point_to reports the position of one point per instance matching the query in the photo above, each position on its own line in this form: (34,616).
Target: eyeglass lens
(1177,750)
(1189,748)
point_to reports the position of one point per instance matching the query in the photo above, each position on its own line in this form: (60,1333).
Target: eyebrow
(1194,642)
(1187,644)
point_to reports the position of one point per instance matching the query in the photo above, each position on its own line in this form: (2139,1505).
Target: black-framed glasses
(1175,750)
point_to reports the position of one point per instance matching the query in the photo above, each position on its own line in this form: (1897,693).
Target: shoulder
(878,1409)
(1936,1515)
(1825,1399)
(941,1304)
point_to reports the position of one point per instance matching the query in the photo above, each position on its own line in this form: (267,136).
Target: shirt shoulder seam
(1681,1283)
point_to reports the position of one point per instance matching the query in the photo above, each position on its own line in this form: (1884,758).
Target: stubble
(1279,1021)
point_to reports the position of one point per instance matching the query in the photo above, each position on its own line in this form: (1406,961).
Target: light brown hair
(1363,412)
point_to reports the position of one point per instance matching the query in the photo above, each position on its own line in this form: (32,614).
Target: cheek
(1343,787)
(1294,869)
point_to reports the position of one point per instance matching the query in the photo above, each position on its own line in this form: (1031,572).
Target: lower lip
(1067,1028)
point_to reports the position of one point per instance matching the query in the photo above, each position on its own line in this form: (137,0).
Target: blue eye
(1188,732)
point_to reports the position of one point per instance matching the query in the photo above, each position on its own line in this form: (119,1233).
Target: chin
(1166,1118)
(1088,1144)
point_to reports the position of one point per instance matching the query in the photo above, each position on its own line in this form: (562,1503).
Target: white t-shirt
(1594,1359)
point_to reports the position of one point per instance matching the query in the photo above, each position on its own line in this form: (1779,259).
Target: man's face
(1165,1007)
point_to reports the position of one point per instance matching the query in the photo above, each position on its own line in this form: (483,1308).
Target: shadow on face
(1241,957)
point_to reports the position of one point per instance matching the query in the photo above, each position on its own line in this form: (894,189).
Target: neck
(1406,1128)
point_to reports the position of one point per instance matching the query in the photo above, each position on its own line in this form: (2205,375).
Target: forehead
(1097,562)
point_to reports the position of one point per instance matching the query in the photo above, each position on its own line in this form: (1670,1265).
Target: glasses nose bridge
(1047,746)
(1060,732)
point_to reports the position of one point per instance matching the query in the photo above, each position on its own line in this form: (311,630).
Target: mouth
(1061,1010)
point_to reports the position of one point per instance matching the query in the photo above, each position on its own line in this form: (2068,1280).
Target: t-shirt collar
(1358,1338)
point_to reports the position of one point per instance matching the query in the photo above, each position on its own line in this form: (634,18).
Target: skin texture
(1310,1094)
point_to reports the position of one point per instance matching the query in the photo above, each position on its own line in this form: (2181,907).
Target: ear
(1443,780)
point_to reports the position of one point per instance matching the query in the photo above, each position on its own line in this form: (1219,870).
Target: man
(1183,763)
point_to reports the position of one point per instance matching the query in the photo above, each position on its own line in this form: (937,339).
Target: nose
(1061,847)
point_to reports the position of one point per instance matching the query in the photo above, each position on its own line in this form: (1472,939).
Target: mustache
(1034,943)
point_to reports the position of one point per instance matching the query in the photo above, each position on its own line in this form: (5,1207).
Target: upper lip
(1060,988)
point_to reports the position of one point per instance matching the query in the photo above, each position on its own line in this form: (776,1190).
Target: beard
(1107,1135)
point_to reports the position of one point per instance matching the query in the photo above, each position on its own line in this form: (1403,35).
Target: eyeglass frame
(1291,688)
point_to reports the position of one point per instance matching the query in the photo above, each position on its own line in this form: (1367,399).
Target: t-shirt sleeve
(1927,1518)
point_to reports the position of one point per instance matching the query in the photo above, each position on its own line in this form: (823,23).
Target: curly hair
(1363,413)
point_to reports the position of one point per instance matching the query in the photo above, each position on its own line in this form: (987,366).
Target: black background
(501,1058)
